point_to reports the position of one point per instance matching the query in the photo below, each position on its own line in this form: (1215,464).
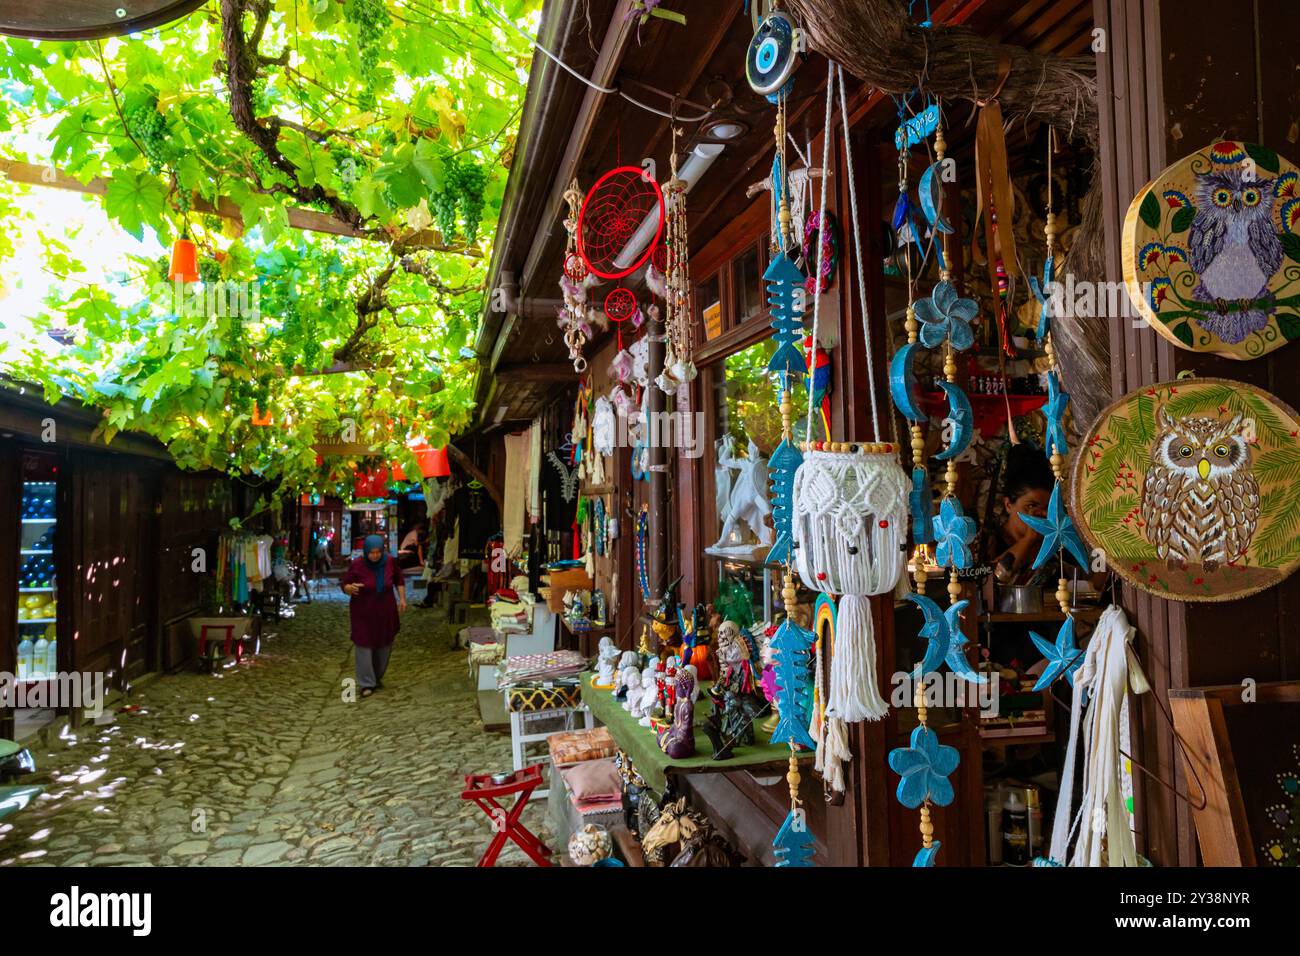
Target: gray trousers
(371,664)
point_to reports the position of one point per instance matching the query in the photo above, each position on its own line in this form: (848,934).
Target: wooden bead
(1063,595)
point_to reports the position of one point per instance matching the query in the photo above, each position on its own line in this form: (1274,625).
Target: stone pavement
(266,764)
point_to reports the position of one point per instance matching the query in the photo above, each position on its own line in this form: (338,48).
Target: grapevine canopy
(388,127)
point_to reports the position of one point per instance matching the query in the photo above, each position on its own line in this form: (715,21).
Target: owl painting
(1200,501)
(1234,248)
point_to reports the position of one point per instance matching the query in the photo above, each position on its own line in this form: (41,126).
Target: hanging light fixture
(185,260)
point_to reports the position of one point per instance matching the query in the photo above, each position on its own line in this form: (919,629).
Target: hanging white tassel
(1109,670)
(854,694)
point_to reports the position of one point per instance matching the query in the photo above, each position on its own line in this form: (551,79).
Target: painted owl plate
(1212,251)
(1191,488)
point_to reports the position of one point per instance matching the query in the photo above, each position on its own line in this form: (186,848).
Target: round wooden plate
(1211,251)
(1191,488)
(88,19)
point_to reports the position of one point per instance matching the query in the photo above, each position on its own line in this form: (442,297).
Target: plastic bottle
(40,653)
(52,654)
(1015,830)
(25,650)
(993,815)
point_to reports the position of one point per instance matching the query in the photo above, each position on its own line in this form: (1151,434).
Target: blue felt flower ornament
(953,533)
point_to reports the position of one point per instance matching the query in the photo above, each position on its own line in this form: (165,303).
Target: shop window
(748,401)
(709,295)
(747,285)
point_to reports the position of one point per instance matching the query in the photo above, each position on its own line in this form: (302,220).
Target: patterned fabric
(579,745)
(527,699)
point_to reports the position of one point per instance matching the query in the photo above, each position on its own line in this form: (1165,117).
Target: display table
(654,765)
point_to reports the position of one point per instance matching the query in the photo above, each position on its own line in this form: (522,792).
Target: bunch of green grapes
(209,271)
(148,128)
(371,20)
(446,199)
(472,181)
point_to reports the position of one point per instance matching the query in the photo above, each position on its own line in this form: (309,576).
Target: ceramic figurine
(678,739)
(735,670)
(630,661)
(748,507)
(633,684)
(607,656)
(649,703)
(738,712)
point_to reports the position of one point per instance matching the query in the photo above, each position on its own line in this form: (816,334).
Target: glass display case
(37,656)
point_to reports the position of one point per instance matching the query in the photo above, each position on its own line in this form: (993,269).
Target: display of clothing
(559,491)
(477,519)
(514,494)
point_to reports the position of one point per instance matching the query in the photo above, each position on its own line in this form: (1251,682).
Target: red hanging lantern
(439,465)
(185,260)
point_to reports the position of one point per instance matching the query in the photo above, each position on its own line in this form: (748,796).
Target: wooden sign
(1212,251)
(1191,488)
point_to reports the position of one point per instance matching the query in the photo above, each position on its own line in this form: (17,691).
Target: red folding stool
(480,789)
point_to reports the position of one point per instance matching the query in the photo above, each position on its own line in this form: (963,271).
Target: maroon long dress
(375,621)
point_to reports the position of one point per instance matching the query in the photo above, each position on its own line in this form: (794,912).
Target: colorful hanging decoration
(774,55)
(1210,248)
(642,563)
(790,646)
(184,265)
(818,361)
(611,215)
(679,320)
(574,319)
(1187,487)
(821,250)
(994,198)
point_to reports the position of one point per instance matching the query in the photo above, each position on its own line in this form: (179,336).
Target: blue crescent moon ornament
(921,502)
(925,856)
(963,421)
(902,384)
(930,191)
(1058,532)
(956,657)
(939,630)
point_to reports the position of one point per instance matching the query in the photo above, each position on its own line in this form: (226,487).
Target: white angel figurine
(606,661)
(649,703)
(633,689)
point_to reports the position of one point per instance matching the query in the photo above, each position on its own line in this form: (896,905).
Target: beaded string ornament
(678,320)
(942,320)
(642,565)
(850,507)
(1056,527)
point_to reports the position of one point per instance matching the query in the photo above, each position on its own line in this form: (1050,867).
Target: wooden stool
(480,789)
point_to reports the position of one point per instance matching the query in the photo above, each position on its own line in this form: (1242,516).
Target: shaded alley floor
(265,763)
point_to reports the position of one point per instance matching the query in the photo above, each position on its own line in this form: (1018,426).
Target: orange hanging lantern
(260,420)
(185,260)
(398,472)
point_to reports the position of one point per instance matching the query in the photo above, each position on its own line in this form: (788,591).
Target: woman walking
(370,581)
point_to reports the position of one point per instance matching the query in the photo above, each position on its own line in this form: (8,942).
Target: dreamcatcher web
(612,213)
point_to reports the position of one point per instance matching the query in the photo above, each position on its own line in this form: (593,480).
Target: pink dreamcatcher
(612,212)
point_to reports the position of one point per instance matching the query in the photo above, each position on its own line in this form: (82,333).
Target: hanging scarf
(374,541)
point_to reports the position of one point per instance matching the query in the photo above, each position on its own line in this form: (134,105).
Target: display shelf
(38,620)
(31,551)
(49,590)
(40,520)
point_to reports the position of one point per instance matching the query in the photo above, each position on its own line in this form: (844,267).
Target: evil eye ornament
(774,54)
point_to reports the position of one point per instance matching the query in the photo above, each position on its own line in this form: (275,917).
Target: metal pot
(1020,599)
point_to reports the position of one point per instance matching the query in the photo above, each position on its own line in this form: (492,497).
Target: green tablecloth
(653,764)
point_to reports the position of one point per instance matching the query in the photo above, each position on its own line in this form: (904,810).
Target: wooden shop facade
(1138,106)
(99,547)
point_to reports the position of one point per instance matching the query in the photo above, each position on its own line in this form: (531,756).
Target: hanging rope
(821,246)
(857,255)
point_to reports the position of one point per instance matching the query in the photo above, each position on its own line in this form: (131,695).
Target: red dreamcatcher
(612,212)
(620,305)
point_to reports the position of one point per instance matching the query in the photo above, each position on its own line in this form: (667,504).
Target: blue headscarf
(375,542)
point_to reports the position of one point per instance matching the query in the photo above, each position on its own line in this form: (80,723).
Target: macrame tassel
(833,753)
(854,694)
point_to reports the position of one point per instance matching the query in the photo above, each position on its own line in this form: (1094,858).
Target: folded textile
(575,746)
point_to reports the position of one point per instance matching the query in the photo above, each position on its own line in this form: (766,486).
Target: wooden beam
(536,372)
(308,220)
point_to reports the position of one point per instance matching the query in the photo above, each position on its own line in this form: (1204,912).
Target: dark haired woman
(371,581)
(1027,483)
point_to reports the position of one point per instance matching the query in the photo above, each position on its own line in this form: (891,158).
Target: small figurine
(678,739)
(695,643)
(649,705)
(607,655)
(627,663)
(738,712)
(735,664)
(633,685)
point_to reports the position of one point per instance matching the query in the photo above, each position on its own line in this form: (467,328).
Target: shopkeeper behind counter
(1027,483)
